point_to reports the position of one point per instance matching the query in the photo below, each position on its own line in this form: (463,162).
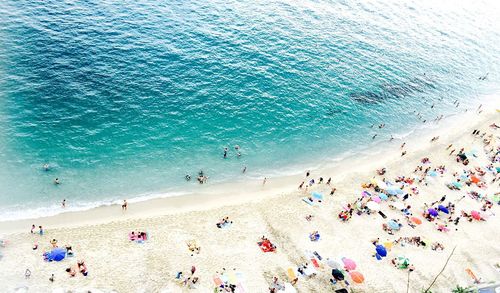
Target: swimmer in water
(46,167)
(187,177)
(225,153)
(56,181)
(373,137)
(236,147)
(244,169)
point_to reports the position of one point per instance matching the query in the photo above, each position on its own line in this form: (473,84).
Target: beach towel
(473,276)
(218,282)
(308,201)
(309,271)
(232,278)
(266,246)
(315,262)
(289,288)
(291,274)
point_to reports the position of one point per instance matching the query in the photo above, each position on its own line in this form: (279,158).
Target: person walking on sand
(40,231)
(51,279)
(403,145)
(124,205)
(33,228)
(63,203)
(265,180)
(27,274)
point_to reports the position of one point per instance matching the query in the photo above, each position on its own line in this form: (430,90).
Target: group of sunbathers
(81,267)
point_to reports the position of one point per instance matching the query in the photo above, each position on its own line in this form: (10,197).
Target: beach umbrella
(376,199)
(443,209)
(381,184)
(57,254)
(498,169)
(391,190)
(373,206)
(333,264)
(474,179)
(388,245)
(383,196)
(416,220)
(476,215)
(432,212)
(398,205)
(357,277)
(380,249)
(349,264)
(496,198)
(457,184)
(337,275)
(317,195)
(393,225)
(433,173)
(365,194)
(403,262)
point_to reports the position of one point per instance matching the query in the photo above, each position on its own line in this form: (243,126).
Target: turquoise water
(123,98)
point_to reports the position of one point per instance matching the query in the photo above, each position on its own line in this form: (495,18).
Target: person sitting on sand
(82,268)
(224,222)
(381,171)
(54,243)
(69,250)
(314,236)
(71,271)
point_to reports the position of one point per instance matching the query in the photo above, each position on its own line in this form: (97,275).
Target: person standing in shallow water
(63,203)
(124,205)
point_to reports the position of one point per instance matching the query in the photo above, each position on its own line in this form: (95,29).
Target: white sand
(99,236)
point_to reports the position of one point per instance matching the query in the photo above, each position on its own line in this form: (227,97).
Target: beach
(277,211)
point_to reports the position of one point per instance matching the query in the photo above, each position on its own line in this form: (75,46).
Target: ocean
(124,98)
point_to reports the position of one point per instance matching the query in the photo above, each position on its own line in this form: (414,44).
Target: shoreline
(209,196)
(276,210)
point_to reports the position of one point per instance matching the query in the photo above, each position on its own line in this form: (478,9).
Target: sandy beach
(277,211)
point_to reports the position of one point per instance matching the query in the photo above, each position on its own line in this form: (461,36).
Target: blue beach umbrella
(381,250)
(433,212)
(317,195)
(457,184)
(443,209)
(392,190)
(57,254)
(383,196)
(393,225)
(433,173)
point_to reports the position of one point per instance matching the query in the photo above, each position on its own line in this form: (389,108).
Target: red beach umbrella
(476,215)
(357,277)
